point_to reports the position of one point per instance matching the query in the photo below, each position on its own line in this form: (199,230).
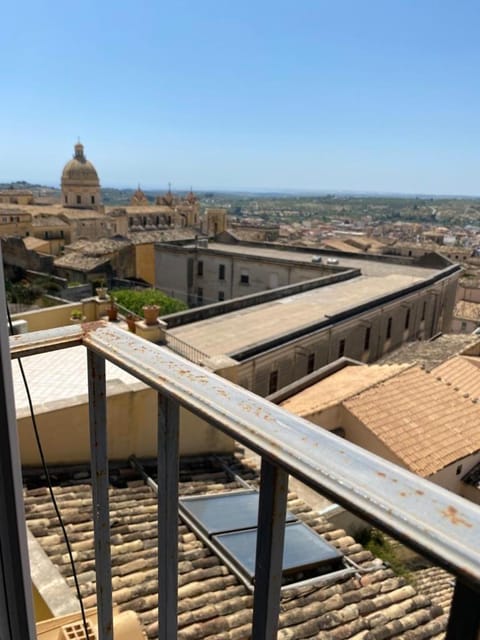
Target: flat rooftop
(369,267)
(232,332)
(56,377)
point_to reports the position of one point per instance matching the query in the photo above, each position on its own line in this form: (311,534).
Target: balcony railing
(438,524)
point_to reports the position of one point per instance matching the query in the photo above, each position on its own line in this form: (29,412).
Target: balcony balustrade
(438,524)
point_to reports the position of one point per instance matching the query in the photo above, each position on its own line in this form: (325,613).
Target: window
(221,296)
(66,199)
(244,277)
(389,329)
(199,295)
(92,199)
(459,469)
(366,341)
(310,362)
(341,348)
(200,268)
(79,199)
(221,272)
(273,382)
(424,309)
(407,319)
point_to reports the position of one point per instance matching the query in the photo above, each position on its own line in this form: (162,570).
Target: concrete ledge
(48,581)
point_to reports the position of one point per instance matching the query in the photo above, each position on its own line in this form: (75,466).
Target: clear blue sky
(377,95)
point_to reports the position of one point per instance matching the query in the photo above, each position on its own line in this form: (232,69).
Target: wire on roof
(50,487)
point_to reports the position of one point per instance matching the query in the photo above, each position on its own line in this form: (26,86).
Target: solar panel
(303,550)
(226,511)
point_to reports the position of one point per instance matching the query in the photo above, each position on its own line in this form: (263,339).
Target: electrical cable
(50,487)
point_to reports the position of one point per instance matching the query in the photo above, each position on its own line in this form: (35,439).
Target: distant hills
(119,196)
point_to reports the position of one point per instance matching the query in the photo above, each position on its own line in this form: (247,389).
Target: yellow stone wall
(131,425)
(145,262)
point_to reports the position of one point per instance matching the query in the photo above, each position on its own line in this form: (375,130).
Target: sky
(317,95)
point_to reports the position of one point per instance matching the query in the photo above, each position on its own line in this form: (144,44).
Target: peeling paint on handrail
(437,523)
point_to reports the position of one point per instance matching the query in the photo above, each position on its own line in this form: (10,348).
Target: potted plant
(131,320)
(150,313)
(101,290)
(77,316)
(112,310)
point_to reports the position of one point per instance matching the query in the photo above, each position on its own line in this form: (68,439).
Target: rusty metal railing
(440,525)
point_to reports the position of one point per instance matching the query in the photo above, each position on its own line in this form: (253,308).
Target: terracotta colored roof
(331,391)
(462,373)
(213,604)
(414,407)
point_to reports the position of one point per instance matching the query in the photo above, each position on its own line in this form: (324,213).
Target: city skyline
(311,97)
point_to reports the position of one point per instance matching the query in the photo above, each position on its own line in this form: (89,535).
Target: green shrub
(135,299)
(376,542)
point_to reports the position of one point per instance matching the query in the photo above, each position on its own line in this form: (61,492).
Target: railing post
(16,606)
(464,620)
(269,556)
(167,480)
(100,481)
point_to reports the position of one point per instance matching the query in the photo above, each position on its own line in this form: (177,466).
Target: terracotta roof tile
(415,407)
(340,385)
(212,604)
(462,373)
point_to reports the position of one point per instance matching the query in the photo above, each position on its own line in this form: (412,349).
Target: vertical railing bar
(269,556)
(464,619)
(167,480)
(100,482)
(16,605)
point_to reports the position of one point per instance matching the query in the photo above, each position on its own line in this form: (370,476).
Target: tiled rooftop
(337,387)
(79,262)
(467,310)
(462,373)
(415,407)
(431,353)
(213,604)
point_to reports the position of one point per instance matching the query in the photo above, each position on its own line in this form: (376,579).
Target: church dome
(79,169)
(80,183)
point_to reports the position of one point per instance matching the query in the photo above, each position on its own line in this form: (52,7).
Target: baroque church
(81,190)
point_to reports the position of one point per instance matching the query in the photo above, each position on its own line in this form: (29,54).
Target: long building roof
(236,331)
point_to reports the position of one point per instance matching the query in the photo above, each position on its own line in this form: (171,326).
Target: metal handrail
(440,524)
(435,522)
